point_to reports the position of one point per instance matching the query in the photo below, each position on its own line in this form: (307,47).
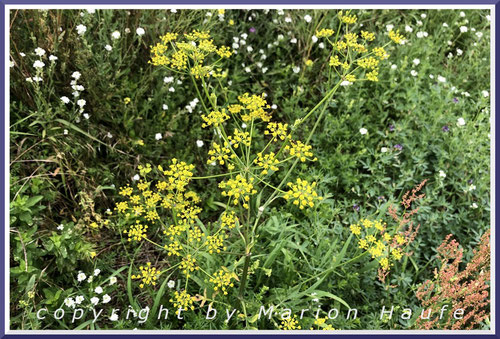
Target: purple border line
(3,211)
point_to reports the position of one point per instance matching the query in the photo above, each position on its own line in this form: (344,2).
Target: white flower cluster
(95,295)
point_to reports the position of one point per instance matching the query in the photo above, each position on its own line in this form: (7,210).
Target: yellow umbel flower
(277,130)
(197,35)
(380,53)
(228,219)
(324,33)
(224,52)
(148,275)
(267,162)
(368,36)
(372,76)
(222,280)
(122,206)
(214,118)
(137,232)
(355,229)
(302,193)
(179,175)
(369,62)
(239,138)
(219,153)
(194,235)
(215,243)
(255,105)
(300,150)
(188,264)
(396,37)
(290,323)
(347,19)
(182,300)
(173,248)
(126,191)
(238,188)
(334,61)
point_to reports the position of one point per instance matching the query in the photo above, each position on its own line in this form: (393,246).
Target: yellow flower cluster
(148,275)
(215,243)
(373,238)
(228,219)
(179,175)
(290,323)
(255,106)
(240,138)
(324,33)
(182,300)
(137,232)
(214,118)
(194,50)
(267,162)
(222,280)
(302,193)
(321,324)
(347,19)
(188,264)
(220,154)
(277,130)
(238,188)
(396,37)
(300,150)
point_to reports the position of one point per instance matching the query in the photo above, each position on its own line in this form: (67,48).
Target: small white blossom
(38,64)
(414,73)
(97,271)
(115,35)
(296,69)
(472,187)
(314,38)
(86,116)
(113,317)
(460,122)
(108,48)
(140,31)
(307,18)
(38,51)
(94,300)
(171,89)
(53,58)
(69,302)
(293,41)
(65,99)
(81,29)
(243,125)
(81,102)
(98,290)
(363,131)
(288,19)
(76,75)
(445,24)
(81,276)
(416,61)
(485,94)
(389,27)
(474,205)
(158,136)
(463,29)
(171,284)
(462,14)
(112,280)
(199,143)
(408,29)
(106,299)
(65,132)
(442,174)
(441,78)
(60,227)
(79,299)
(383,149)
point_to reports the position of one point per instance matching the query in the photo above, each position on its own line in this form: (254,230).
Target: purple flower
(252,29)
(356,207)
(399,147)
(455,100)
(381,198)
(391,128)
(445,128)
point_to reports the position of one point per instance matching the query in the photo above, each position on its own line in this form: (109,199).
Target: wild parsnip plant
(248,160)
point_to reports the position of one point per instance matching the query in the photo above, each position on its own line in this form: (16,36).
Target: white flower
(244,36)
(431,76)
(363,131)
(419,23)
(23,55)
(81,29)
(168,80)
(173,10)
(307,18)
(114,317)
(171,284)
(76,75)
(109,135)
(12,64)
(445,24)
(474,205)
(293,41)
(81,102)
(459,51)
(98,290)
(274,106)
(383,149)
(408,29)
(249,49)
(416,61)
(442,174)
(345,83)
(81,276)
(38,64)
(462,14)
(65,99)
(69,302)
(97,271)
(394,66)
(140,31)
(472,187)
(171,89)
(243,125)
(86,116)
(314,38)
(414,73)
(288,19)
(136,177)
(115,35)
(463,29)
(38,51)
(79,299)
(94,300)
(441,78)
(281,36)
(108,48)
(389,27)
(423,16)
(485,94)
(460,122)
(60,227)
(479,35)
(296,69)
(91,10)
(421,34)
(53,58)
(321,45)
(158,136)
(261,209)
(65,132)
(112,280)
(37,78)
(199,143)
(247,69)
(106,299)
